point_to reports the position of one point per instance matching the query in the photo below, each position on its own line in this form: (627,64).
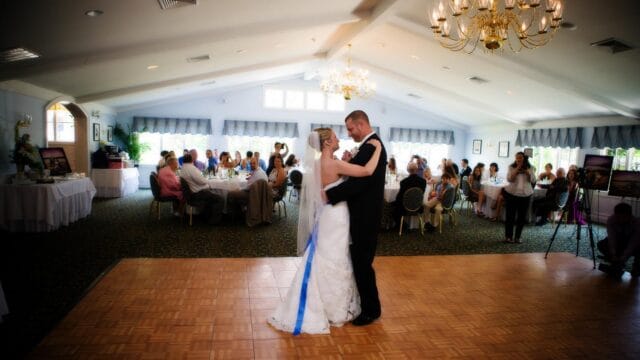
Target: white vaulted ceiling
(104,59)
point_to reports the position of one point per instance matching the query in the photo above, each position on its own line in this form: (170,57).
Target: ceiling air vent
(478,80)
(16,54)
(195,59)
(171,4)
(614,45)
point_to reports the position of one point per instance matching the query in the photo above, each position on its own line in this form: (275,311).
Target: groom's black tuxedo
(364,196)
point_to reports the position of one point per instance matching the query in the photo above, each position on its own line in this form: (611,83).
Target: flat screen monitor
(55,160)
(625,184)
(597,171)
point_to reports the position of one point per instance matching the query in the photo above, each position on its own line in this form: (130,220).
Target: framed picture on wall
(109,133)
(96,132)
(477,146)
(503,149)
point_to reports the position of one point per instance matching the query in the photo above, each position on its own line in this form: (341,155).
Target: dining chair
(412,203)
(190,202)
(278,200)
(295,176)
(157,199)
(450,210)
(465,203)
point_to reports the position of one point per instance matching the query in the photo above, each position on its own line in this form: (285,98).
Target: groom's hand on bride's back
(346,156)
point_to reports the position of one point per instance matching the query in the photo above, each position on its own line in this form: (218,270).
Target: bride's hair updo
(324,134)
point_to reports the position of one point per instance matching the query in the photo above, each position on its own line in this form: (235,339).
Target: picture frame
(477,146)
(109,133)
(96,132)
(55,160)
(503,149)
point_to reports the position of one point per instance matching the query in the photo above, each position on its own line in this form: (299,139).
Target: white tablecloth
(115,182)
(45,207)
(491,192)
(233,184)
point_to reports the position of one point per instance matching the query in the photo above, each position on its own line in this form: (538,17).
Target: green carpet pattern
(44,274)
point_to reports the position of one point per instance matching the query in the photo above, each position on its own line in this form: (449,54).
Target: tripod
(584,206)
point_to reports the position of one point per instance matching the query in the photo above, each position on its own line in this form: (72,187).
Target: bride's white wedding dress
(332,297)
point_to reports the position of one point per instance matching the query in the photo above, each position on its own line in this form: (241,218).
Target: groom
(364,196)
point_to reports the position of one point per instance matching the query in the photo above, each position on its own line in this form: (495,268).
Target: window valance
(340,129)
(260,128)
(625,137)
(424,136)
(557,137)
(172,125)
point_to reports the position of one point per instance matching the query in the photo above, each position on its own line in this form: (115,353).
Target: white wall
(246,104)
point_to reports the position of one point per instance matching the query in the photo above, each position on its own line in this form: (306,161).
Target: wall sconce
(95,114)
(24,120)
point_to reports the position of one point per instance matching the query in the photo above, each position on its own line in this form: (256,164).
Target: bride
(323,292)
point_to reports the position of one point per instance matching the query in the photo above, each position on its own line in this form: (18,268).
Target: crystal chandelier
(495,24)
(348,82)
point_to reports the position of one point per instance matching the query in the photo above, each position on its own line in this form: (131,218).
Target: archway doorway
(67,128)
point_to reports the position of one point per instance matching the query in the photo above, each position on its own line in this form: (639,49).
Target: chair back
(412,200)
(296,178)
(456,193)
(155,186)
(186,190)
(282,191)
(465,186)
(562,199)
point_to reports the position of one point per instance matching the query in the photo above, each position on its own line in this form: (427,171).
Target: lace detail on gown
(332,296)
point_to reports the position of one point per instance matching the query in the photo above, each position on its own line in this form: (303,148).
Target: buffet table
(45,207)
(111,183)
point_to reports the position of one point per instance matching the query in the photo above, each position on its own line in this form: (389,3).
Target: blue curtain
(171,125)
(625,137)
(424,136)
(556,137)
(260,128)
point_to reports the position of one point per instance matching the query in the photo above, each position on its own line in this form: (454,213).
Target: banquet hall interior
(96,263)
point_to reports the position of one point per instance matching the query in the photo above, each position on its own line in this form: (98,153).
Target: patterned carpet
(44,274)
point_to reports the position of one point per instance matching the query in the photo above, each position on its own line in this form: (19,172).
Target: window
(558,157)
(434,153)
(171,142)
(315,100)
(294,100)
(624,159)
(335,102)
(61,125)
(273,98)
(262,144)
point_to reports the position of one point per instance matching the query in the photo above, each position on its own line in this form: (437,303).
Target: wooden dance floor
(475,306)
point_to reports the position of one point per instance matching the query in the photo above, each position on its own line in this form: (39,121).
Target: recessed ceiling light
(241,51)
(152,67)
(94,12)
(446,68)
(415,57)
(199,58)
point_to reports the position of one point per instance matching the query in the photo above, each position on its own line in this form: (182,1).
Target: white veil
(310,195)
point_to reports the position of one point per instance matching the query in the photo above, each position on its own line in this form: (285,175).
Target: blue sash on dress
(311,245)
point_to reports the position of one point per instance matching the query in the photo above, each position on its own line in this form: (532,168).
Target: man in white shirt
(256,173)
(201,191)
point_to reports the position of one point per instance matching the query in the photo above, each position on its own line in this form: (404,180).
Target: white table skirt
(115,182)
(233,184)
(491,192)
(45,207)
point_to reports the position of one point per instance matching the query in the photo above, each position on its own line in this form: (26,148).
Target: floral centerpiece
(24,152)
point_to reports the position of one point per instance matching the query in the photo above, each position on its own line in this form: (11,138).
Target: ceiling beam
(543,77)
(44,65)
(194,79)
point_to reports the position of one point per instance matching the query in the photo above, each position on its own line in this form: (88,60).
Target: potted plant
(131,142)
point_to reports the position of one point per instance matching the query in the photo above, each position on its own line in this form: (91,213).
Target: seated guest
(170,184)
(454,165)
(622,242)
(547,174)
(256,173)
(225,161)
(212,162)
(552,199)
(443,195)
(201,190)
(391,166)
(261,162)
(277,175)
(181,158)
(426,175)
(162,162)
(237,160)
(476,195)
(245,164)
(290,163)
(453,175)
(465,170)
(493,172)
(422,163)
(413,180)
(197,163)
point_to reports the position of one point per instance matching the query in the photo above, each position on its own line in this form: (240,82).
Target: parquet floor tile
(512,306)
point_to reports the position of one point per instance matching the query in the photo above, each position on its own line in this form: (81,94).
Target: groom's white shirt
(362,142)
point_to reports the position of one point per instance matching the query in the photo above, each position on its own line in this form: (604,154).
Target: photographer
(622,242)
(517,196)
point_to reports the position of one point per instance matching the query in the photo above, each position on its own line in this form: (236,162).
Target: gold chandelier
(495,24)
(348,82)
